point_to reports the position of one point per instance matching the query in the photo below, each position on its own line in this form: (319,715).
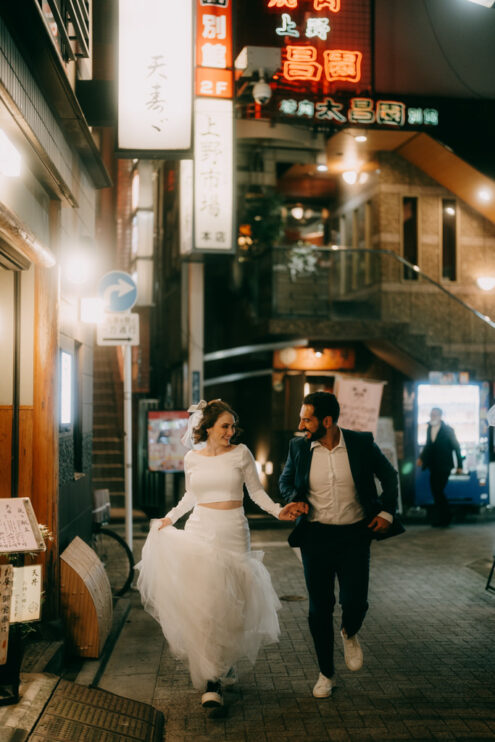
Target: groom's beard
(318,433)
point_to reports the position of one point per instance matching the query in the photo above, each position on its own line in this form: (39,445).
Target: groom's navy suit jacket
(366,462)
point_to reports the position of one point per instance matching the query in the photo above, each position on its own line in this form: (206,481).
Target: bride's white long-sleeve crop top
(221,478)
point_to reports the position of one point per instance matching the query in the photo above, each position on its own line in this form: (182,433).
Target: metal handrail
(381,251)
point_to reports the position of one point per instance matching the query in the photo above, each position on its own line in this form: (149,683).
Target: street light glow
(484,194)
(92,310)
(78,268)
(10,158)
(349,176)
(486,283)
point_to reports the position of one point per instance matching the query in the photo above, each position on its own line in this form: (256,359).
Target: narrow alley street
(428,641)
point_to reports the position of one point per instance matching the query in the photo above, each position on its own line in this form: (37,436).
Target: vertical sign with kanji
(26,594)
(6,580)
(155,74)
(213,160)
(213,127)
(214,78)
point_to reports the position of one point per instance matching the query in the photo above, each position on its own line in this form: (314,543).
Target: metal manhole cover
(292,598)
(75,713)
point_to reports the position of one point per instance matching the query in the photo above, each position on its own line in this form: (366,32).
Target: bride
(211,594)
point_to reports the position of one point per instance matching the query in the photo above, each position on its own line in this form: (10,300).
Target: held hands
(164,522)
(379,525)
(293,510)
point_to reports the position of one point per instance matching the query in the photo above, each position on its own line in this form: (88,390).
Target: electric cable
(446,58)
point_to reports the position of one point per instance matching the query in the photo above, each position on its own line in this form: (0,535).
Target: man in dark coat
(332,472)
(441,443)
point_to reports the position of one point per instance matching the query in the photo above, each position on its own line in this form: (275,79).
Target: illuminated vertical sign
(214,77)
(155,75)
(213,174)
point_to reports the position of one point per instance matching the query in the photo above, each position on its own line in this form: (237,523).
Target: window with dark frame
(449,241)
(410,235)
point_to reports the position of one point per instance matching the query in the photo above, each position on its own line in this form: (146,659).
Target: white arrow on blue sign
(118,291)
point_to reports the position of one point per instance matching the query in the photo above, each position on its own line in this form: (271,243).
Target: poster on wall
(359,403)
(165,450)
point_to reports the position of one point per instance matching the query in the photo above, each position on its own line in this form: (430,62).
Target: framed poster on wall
(165,450)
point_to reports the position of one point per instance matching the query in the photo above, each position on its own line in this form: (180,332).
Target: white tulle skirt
(212,596)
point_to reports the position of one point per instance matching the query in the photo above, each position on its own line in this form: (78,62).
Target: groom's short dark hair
(324,404)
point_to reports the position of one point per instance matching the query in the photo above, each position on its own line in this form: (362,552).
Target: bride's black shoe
(212,697)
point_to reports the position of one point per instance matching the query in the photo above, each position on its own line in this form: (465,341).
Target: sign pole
(128,442)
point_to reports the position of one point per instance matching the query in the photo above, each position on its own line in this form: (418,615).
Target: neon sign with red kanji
(332,5)
(340,64)
(301,63)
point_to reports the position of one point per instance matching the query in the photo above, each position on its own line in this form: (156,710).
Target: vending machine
(464,408)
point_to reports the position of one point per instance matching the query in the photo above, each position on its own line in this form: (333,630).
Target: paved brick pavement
(428,640)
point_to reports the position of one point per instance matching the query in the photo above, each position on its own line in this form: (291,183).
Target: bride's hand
(164,522)
(293,510)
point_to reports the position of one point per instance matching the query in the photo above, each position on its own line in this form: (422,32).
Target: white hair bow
(196,411)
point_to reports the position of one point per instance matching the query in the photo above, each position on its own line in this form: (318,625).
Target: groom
(332,471)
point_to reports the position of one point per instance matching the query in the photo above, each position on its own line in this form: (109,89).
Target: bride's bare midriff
(228,505)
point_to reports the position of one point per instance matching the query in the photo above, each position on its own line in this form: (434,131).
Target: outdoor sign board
(118,291)
(325,43)
(165,450)
(26,594)
(155,74)
(214,76)
(19,529)
(207,184)
(118,328)
(6,581)
(325,78)
(213,174)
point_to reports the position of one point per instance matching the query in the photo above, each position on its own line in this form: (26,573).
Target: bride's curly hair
(211,413)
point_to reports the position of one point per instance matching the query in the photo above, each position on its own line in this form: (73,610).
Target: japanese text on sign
(362,111)
(6,582)
(155,75)
(19,530)
(119,328)
(26,594)
(213,174)
(330,28)
(214,76)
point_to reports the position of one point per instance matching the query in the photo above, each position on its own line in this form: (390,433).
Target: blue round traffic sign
(118,290)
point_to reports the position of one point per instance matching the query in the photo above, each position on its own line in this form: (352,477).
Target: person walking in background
(441,443)
(332,472)
(212,596)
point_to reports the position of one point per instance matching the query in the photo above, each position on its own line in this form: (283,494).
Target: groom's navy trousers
(330,552)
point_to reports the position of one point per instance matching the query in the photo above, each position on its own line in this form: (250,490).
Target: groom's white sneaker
(323,686)
(353,654)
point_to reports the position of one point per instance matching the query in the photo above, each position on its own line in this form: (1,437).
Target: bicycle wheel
(117,559)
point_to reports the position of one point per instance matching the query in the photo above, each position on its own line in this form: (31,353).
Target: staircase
(358,295)
(108,444)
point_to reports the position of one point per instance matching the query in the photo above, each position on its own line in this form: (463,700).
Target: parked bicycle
(111,548)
